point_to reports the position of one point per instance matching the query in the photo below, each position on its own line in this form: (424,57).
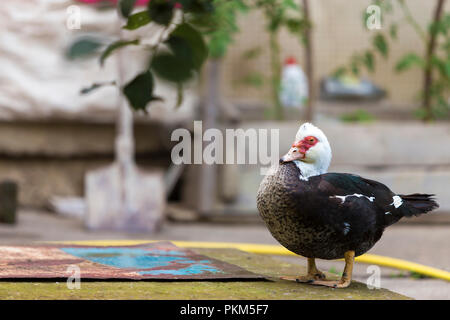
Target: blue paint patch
(123,257)
(170,262)
(167,252)
(192,269)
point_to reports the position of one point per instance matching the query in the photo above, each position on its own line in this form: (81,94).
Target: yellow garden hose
(279,250)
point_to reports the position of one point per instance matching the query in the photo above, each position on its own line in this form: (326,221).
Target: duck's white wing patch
(343,198)
(397,201)
(340,197)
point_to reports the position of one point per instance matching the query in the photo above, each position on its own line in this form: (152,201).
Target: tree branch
(428,76)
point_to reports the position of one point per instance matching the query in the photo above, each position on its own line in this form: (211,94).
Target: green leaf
(114,46)
(181,49)
(296,26)
(204,22)
(442,65)
(218,43)
(354,65)
(126,6)
(254,79)
(185,38)
(252,53)
(339,72)
(393,30)
(440,26)
(447,68)
(407,61)
(369,61)
(160,11)
(380,43)
(446,47)
(171,68)
(83,47)
(275,23)
(137,20)
(188,53)
(139,91)
(220,25)
(365,17)
(197,6)
(289,4)
(359,115)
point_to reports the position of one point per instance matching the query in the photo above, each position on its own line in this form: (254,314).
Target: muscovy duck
(328,215)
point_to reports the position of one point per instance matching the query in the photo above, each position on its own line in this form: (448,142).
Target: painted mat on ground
(157,260)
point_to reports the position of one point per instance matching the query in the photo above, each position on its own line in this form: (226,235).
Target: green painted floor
(267,266)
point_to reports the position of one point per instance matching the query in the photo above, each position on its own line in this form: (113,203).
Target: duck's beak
(295,153)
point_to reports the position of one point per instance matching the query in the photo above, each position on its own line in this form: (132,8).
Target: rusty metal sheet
(158,260)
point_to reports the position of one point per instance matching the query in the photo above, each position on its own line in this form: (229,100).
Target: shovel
(122,197)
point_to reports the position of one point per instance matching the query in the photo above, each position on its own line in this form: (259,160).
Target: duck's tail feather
(417,204)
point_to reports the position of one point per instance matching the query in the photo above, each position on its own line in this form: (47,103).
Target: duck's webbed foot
(346,279)
(313,275)
(309,278)
(343,283)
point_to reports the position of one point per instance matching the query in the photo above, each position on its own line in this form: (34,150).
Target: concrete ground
(425,244)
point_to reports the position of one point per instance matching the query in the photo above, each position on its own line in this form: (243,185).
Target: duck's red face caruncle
(299,149)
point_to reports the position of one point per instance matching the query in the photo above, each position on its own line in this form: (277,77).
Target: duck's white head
(310,151)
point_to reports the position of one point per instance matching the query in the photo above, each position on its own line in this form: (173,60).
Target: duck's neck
(309,169)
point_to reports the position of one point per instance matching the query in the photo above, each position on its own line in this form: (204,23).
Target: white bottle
(294,85)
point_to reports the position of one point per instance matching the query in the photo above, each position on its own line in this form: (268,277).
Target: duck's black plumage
(329,214)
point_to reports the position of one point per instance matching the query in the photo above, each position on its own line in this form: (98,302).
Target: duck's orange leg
(346,279)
